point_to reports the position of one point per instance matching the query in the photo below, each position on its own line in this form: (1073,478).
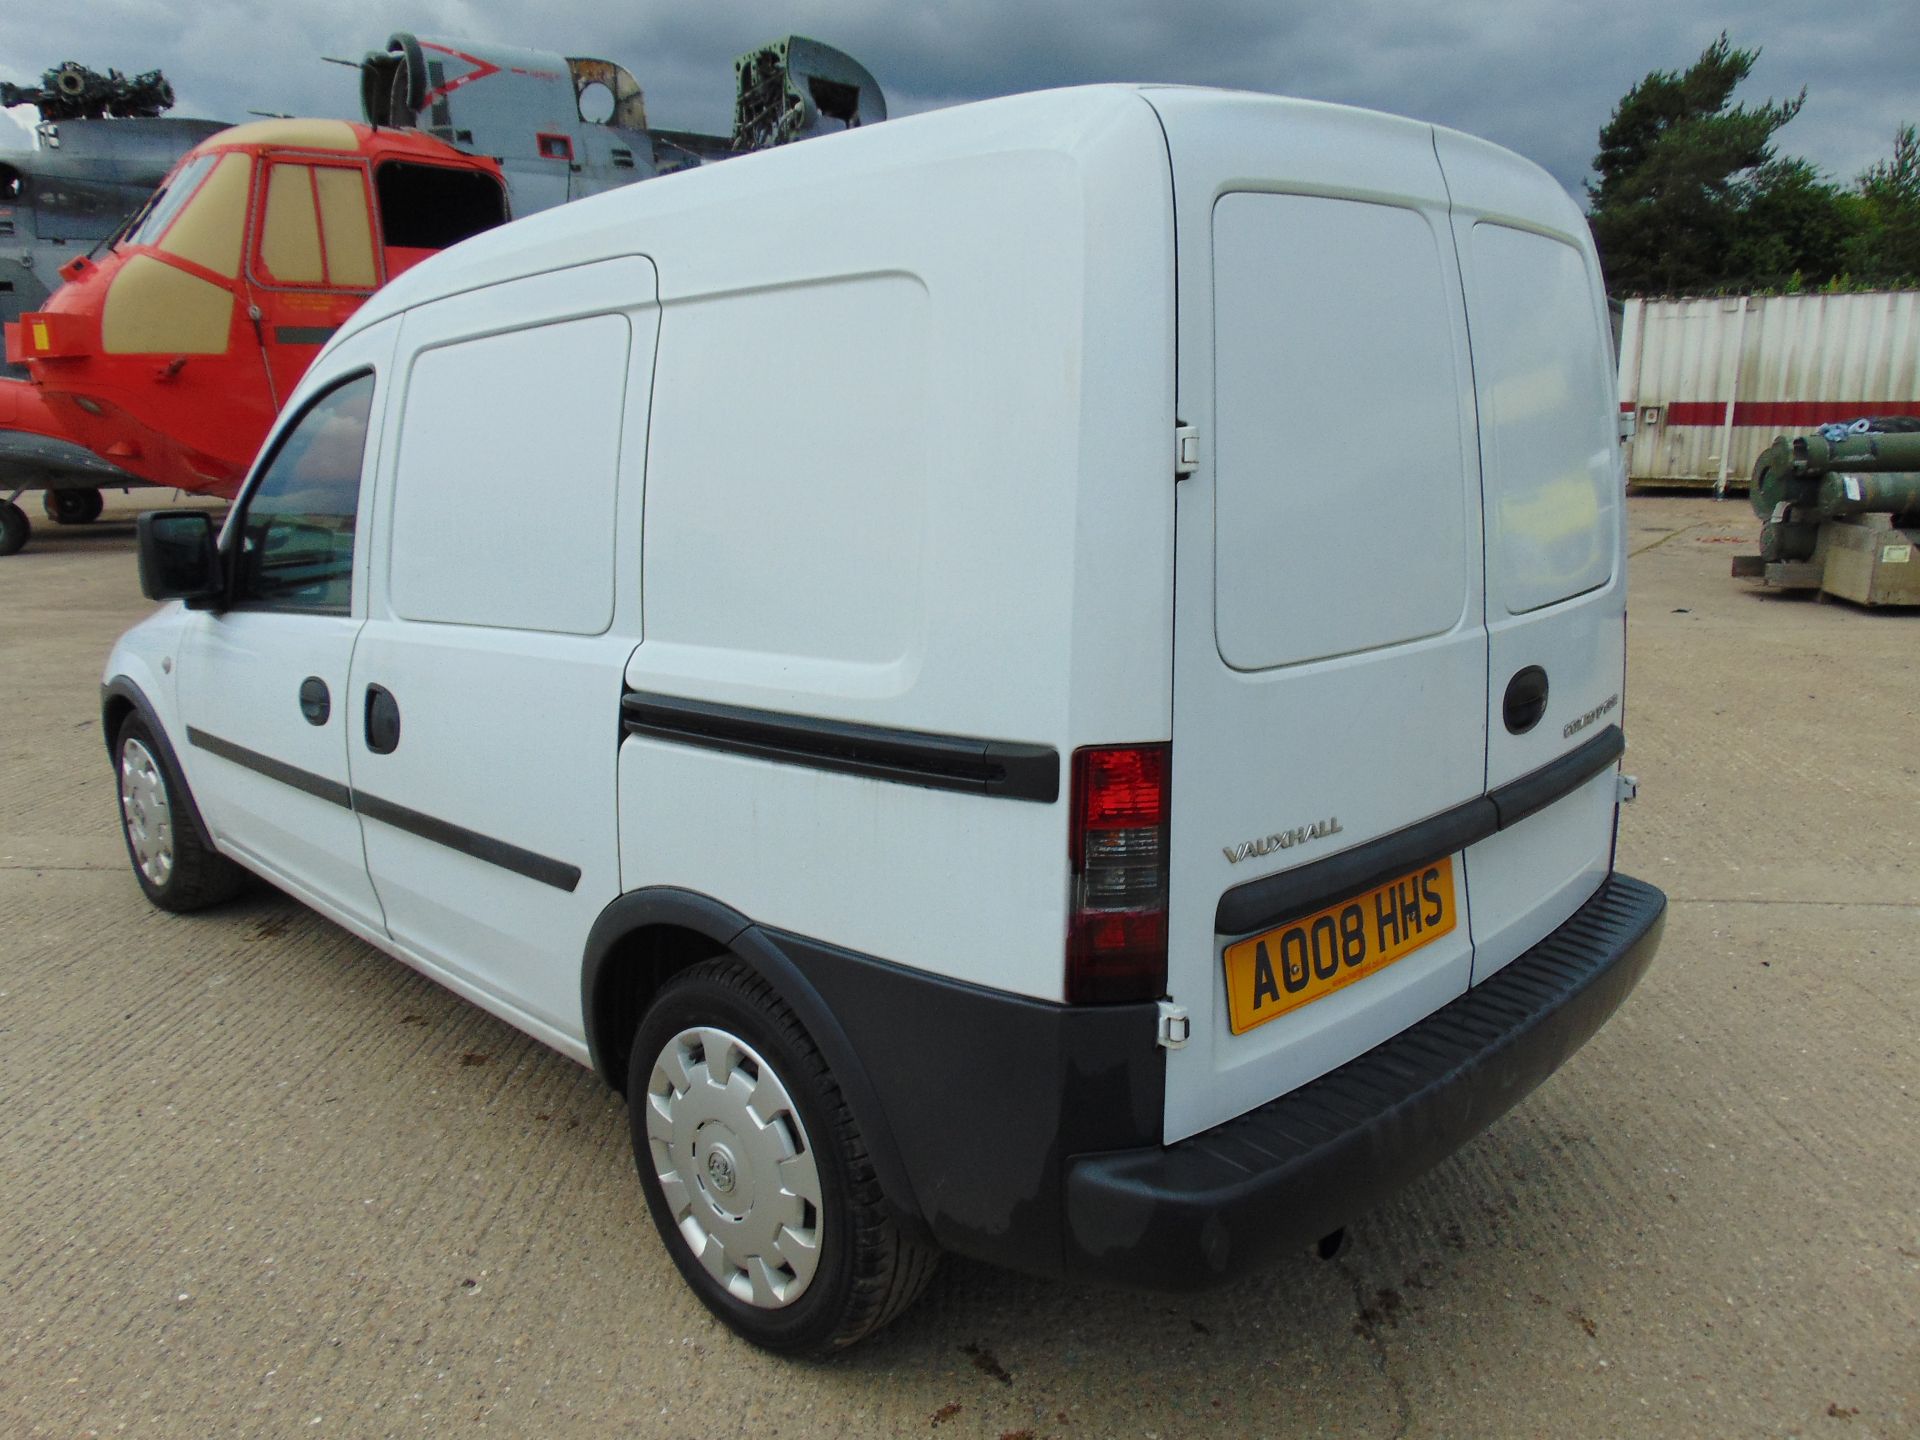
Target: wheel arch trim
(671,907)
(121,690)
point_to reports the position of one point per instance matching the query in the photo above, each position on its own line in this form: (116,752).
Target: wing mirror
(178,557)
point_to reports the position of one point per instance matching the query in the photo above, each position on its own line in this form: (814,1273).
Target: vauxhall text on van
(1042,680)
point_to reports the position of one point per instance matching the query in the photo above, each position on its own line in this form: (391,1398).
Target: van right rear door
(1552,481)
(1330,645)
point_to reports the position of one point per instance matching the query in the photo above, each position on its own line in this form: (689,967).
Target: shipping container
(1710,382)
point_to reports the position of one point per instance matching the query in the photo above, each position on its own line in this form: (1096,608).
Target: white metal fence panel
(1712,381)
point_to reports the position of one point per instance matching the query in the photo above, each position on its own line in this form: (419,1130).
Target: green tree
(1886,248)
(1792,229)
(1688,181)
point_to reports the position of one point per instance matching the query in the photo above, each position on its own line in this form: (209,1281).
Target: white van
(1042,680)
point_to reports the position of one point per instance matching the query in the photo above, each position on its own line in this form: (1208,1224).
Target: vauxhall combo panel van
(1043,680)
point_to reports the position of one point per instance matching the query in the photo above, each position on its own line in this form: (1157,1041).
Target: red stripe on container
(1781,414)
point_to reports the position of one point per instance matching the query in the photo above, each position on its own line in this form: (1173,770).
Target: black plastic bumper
(1183,1216)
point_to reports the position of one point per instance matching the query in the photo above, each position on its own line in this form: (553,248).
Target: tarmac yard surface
(258,1179)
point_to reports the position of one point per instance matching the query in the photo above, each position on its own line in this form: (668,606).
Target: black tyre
(175,864)
(14,528)
(72,507)
(756,1173)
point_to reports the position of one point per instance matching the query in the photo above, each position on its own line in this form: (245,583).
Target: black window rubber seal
(1005,768)
(1274,899)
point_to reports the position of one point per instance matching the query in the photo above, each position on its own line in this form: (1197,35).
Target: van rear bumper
(1204,1210)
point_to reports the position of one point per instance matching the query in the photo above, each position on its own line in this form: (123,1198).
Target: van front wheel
(755,1171)
(174,863)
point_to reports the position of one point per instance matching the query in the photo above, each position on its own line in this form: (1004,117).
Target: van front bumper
(1204,1210)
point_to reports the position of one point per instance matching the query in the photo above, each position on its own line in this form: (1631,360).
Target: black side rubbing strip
(556,873)
(1517,799)
(304,780)
(1266,902)
(912,757)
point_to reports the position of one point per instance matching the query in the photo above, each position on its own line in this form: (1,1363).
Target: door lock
(315,701)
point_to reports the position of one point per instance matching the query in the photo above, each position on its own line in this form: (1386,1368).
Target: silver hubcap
(144,808)
(735,1165)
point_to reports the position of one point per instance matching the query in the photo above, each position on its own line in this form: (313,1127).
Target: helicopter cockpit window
(316,230)
(296,536)
(212,224)
(429,207)
(290,230)
(151,223)
(346,228)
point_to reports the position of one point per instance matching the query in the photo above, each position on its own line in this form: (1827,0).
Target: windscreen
(152,221)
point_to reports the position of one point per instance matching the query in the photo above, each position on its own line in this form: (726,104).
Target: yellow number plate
(1300,961)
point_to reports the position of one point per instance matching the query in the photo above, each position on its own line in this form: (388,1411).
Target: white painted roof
(680,220)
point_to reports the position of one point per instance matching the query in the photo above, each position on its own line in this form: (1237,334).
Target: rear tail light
(1117,926)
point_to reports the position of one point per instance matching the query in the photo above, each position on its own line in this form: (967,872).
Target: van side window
(491,426)
(296,533)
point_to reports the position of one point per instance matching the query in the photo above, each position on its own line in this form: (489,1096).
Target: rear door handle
(1525,701)
(383,720)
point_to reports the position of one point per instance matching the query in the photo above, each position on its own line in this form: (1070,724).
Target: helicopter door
(311,263)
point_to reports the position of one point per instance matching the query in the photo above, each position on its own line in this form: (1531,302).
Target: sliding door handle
(383,721)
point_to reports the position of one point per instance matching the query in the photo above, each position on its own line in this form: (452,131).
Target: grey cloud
(1539,76)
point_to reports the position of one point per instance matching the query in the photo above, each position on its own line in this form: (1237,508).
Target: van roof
(688,212)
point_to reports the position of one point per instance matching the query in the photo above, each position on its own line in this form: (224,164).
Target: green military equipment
(1833,504)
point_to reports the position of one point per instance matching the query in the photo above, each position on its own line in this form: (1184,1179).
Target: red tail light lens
(1117,926)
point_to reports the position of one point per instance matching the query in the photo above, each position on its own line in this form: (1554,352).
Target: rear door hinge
(1186,451)
(1625,788)
(1174,1028)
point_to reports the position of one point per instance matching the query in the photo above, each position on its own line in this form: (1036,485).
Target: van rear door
(1330,646)
(1556,570)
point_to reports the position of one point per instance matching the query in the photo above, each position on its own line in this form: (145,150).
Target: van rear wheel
(756,1172)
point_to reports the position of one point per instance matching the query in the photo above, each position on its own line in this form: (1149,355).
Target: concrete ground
(257,1179)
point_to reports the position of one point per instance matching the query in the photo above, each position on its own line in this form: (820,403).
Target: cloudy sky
(1539,76)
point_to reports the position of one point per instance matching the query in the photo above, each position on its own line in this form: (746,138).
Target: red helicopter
(165,361)
(170,355)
